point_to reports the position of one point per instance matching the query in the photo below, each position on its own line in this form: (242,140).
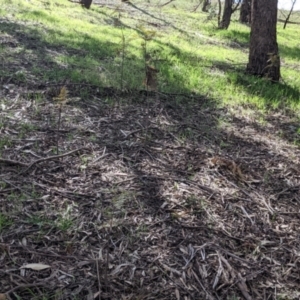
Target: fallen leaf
(36,267)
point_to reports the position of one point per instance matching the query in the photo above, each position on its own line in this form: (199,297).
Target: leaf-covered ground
(140,195)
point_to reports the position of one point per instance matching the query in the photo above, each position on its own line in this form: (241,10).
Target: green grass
(4,221)
(85,46)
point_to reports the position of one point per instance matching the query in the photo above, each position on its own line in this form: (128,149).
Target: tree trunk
(264,58)
(245,12)
(206,5)
(224,24)
(86,3)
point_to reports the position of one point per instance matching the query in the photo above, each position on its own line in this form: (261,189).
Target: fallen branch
(289,22)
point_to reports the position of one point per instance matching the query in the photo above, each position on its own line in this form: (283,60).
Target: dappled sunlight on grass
(192,56)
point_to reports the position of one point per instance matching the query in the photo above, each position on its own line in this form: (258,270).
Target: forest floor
(130,194)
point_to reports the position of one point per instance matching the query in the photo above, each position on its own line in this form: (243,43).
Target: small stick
(13,162)
(49,158)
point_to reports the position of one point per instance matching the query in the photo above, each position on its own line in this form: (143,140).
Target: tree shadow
(266,89)
(159,19)
(170,163)
(273,95)
(36,55)
(289,52)
(240,37)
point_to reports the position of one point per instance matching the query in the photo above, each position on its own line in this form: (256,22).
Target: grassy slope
(191,54)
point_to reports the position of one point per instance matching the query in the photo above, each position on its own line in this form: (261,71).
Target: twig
(98,276)
(16,187)
(219,272)
(58,128)
(13,162)
(25,286)
(241,281)
(64,192)
(210,297)
(184,288)
(48,158)
(106,270)
(247,215)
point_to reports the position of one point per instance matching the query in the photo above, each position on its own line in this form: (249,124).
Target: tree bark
(225,22)
(264,57)
(245,12)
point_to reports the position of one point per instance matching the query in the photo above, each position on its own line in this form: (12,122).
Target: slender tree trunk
(168,2)
(288,17)
(219,11)
(206,5)
(264,58)
(225,22)
(86,3)
(245,12)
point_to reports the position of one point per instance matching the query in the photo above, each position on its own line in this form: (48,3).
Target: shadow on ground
(167,194)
